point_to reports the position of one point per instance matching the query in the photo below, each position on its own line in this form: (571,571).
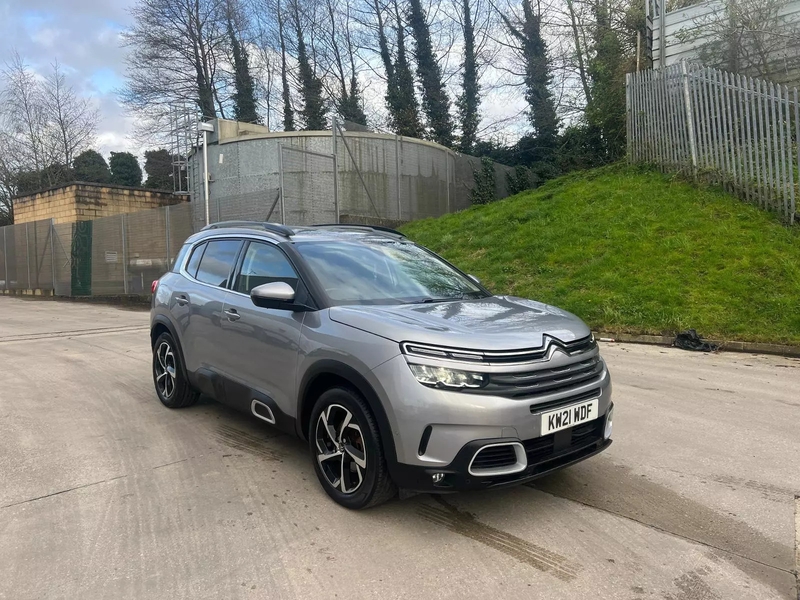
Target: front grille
(548,447)
(500,357)
(521,356)
(531,384)
(494,457)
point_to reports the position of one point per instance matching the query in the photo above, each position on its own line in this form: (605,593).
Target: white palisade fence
(721,127)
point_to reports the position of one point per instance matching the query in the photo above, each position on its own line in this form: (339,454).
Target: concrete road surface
(104,493)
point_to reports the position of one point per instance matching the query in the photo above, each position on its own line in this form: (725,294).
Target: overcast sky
(84,36)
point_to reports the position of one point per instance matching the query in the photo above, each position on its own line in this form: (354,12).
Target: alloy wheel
(165,370)
(341,451)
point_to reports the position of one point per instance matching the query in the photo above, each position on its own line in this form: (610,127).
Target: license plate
(556,420)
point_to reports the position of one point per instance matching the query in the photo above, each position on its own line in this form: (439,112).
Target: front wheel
(346,450)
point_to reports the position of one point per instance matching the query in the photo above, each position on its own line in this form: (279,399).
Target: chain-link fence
(379,177)
(115,255)
(307,200)
(26,250)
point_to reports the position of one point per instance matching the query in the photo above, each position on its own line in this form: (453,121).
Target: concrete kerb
(724,345)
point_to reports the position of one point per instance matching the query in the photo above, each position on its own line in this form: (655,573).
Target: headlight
(443,377)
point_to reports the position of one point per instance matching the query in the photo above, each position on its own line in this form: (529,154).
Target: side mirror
(277,294)
(475,279)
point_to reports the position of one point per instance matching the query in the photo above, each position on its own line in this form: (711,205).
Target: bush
(519,181)
(483,192)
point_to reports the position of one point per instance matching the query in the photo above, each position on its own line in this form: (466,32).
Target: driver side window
(264,263)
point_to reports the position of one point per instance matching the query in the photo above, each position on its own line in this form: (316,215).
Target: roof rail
(271,227)
(358,226)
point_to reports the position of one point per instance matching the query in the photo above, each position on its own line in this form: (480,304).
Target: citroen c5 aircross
(400,371)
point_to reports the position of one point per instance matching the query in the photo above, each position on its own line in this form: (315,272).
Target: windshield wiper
(430,300)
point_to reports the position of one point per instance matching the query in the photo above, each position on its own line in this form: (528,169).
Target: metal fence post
(797,137)
(166,228)
(447,177)
(398,175)
(28,255)
(53,252)
(687,98)
(333,134)
(124,256)
(280,177)
(335,188)
(335,168)
(5,258)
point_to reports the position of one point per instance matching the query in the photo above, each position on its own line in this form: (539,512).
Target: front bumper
(430,426)
(544,455)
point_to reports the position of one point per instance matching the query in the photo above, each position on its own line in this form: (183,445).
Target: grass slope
(633,251)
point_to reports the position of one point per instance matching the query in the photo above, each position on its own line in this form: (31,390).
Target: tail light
(154,286)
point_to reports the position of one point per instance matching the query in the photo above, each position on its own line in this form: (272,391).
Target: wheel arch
(162,324)
(331,373)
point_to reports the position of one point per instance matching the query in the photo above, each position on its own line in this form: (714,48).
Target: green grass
(633,251)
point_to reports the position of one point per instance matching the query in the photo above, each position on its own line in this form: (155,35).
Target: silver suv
(401,371)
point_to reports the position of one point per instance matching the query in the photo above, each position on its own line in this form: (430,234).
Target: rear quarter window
(194,260)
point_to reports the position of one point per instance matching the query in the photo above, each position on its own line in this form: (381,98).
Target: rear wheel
(346,449)
(169,374)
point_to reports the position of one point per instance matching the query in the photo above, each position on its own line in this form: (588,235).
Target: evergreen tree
(605,111)
(288,112)
(90,166)
(28,182)
(158,166)
(349,104)
(468,101)
(125,169)
(245,106)
(310,85)
(538,77)
(435,102)
(400,98)
(408,121)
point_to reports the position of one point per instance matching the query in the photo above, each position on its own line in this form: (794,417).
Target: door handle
(182,300)
(232,314)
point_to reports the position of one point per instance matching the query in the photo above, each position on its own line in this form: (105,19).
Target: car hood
(494,323)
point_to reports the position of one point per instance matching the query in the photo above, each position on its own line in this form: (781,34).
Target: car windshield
(384,271)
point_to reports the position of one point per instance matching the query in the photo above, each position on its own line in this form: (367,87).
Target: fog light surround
(443,377)
(609,423)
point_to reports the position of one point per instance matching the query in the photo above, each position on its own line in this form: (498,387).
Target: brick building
(82,201)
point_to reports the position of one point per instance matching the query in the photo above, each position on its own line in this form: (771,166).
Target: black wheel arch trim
(360,383)
(163,320)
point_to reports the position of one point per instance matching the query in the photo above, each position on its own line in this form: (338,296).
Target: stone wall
(87,201)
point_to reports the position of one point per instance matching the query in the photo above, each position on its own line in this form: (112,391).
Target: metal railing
(722,127)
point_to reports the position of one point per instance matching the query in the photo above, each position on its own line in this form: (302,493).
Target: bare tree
(43,125)
(749,36)
(268,58)
(24,117)
(72,120)
(338,48)
(177,48)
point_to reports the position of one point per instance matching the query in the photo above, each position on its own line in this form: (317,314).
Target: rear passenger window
(217,262)
(264,263)
(194,260)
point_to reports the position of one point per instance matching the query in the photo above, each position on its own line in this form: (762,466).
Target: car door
(262,345)
(200,303)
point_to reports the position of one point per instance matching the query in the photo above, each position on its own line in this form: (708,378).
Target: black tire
(375,486)
(169,374)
